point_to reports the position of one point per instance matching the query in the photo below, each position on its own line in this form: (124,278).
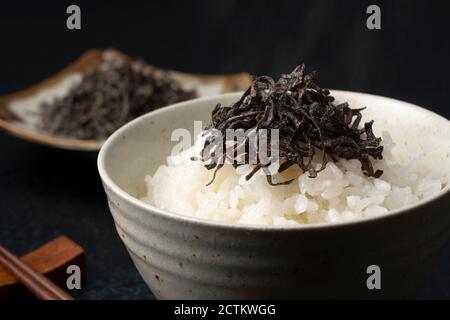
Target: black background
(46,192)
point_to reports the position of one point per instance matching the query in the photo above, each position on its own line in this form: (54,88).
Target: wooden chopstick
(42,287)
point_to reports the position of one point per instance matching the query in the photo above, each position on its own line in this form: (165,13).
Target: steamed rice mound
(341,192)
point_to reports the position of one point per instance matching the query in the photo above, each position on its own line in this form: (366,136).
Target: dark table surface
(46,192)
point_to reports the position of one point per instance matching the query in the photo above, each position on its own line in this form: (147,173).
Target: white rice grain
(341,192)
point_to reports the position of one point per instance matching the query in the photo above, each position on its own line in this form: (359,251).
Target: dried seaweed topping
(109,96)
(307,120)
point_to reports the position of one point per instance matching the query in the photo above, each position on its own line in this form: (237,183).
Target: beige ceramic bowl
(182,257)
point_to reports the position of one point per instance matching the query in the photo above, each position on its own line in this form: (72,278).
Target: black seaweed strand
(109,96)
(308,120)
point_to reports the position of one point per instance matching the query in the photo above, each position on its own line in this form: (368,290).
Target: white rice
(341,192)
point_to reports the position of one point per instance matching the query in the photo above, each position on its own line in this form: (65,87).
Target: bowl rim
(179,217)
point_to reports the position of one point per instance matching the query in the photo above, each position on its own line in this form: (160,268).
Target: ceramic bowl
(181,257)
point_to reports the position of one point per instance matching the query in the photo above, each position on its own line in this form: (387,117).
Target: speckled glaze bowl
(182,257)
